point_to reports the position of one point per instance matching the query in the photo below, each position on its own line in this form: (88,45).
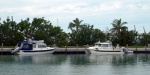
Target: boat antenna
(135,34)
(145,36)
(134,28)
(144,30)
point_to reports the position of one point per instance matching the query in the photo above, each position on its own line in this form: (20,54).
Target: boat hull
(106,52)
(23,52)
(95,51)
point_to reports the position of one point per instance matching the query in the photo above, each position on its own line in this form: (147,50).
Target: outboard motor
(96,48)
(124,50)
(15,50)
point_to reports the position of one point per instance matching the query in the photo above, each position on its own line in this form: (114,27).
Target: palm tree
(76,23)
(118,26)
(119,32)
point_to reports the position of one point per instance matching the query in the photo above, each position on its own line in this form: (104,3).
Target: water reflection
(42,59)
(143,58)
(45,59)
(106,64)
(83,59)
(79,59)
(120,59)
(6,58)
(125,59)
(33,59)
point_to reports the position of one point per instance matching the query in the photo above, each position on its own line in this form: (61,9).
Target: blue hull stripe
(38,50)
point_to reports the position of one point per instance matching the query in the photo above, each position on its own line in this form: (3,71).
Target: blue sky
(99,13)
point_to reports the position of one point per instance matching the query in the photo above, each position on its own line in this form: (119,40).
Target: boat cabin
(103,44)
(38,45)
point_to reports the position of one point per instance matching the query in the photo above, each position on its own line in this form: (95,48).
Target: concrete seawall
(138,49)
(69,51)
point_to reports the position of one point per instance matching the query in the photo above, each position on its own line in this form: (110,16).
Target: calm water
(121,64)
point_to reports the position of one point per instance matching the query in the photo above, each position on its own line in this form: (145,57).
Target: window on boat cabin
(97,44)
(25,46)
(41,46)
(104,45)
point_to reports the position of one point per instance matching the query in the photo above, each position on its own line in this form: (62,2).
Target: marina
(75,37)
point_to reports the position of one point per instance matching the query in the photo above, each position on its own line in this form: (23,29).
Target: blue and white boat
(32,47)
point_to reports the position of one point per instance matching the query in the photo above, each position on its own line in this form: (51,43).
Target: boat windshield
(104,45)
(97,44)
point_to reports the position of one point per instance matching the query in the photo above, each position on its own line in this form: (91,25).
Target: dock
(141,50)
(7,51)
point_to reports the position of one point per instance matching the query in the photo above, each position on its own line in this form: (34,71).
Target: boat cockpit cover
(26,46)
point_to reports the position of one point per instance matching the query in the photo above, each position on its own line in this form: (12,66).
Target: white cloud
(67,10)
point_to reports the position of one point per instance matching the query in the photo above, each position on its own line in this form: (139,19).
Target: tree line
(81,33)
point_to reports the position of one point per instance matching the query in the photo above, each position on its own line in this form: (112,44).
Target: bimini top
(26,46)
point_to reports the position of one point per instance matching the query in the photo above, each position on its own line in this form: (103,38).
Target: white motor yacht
(106,47)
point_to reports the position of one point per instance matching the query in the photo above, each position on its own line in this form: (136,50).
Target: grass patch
(136,46)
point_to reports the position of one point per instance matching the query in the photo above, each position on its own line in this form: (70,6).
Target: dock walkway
(6,51)
(140,50)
